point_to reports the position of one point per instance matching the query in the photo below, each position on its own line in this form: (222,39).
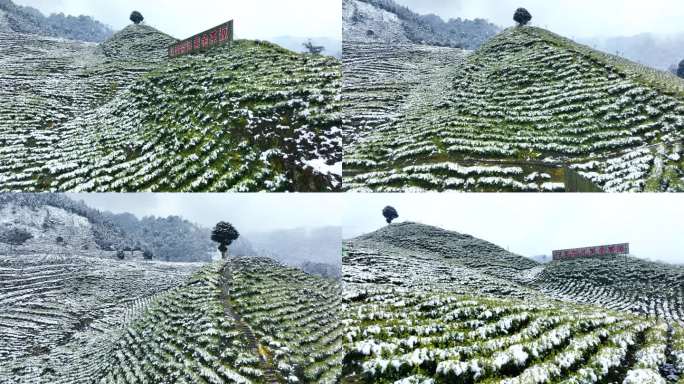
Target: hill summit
(463,248)
(525,112)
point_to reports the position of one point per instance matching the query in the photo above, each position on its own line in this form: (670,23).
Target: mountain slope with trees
(388,22)
(29,20)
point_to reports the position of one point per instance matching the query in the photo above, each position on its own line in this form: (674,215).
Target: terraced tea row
(519,111)
(251,117)
(295,315)
(381,78)
(426,247)
(247,320)
(366,264)
(617,282)
(59,315)
(436,336)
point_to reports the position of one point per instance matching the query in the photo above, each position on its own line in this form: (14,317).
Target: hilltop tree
(680,70)
(390,214)
(313,49)
(522,16)
(120,255)
(147,254)
(137,17)
(224,233)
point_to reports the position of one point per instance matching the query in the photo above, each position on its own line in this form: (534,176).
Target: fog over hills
(657,51)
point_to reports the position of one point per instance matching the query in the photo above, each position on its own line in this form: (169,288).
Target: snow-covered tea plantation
(120,116)
(68,319)
(249,320)
(425,305)
(527,111)
(61,314)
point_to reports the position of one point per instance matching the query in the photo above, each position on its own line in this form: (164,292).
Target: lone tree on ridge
(680,70)
(224,233)
(137,17)
(522,16)
(313,49)
(390,214)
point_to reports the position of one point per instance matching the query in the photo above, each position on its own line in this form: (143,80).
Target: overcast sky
(254,19)
(535,224)
(248,212)
(570,18)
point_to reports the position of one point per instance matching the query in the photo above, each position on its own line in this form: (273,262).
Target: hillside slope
(121,117)
(390,23)
(522,113)
(415,315)
(618,282)
(249,320)
(452,247)
(60,315)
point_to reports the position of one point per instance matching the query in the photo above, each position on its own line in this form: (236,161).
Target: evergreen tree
(137,17)
(680,70)
(522,16)
(390,214)
(15,237)
(224,233)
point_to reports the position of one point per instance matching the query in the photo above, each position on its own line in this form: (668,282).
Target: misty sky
(570,18)
(248,212)
(535,224)
(254,19)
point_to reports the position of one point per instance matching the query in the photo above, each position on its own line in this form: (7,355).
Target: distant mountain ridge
(24,19)
(85,230)
(657,51)
(378,20)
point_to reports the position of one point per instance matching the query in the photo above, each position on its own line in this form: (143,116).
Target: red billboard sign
(601,250)
(223,34)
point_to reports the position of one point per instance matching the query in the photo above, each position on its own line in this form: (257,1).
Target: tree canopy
(224,233)
(313,49)
(137,17)
(680,70)
(522,16)
(390,214)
